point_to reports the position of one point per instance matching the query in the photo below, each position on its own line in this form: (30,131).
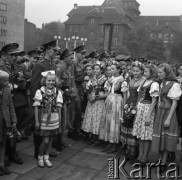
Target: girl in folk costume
(165,131)
(48,103)
(107,88)
(179,105)
(95,105)
(143,124)
(127,138)
(113,112)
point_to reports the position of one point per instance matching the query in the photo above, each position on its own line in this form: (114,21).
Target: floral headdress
(138,64)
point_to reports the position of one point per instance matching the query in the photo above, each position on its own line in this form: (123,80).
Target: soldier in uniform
(44,65)
(65,74)
(8,65)
(79,79)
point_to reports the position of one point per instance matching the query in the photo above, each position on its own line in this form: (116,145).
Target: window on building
(2,20)
(172,37)
(2,44)
(92,35)
(3,32)
(71,29)
(76,29)
(3,7)
(102,29)
(166,37)
(116,29)
(82,29)
(115,41)
(92,22)
(160,35)
(152,36)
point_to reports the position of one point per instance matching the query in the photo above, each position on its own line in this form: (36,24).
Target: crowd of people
(107,100)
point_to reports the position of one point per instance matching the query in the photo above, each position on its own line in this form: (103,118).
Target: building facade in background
(32,36)
(106,27)
(12,13)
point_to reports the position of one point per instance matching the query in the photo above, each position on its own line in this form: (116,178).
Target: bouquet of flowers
(129,111)
(14,136)
(92,86)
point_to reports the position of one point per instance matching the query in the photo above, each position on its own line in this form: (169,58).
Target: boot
(47,162)
(41,161)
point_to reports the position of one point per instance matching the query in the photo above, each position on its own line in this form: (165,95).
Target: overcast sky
(39,11)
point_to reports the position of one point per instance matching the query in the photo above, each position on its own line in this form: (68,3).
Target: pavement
(78,162)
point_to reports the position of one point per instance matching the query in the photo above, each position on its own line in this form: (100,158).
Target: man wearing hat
(45,65)
(93,57)
(79,79)
(66,74)
(17,67)
(16,78)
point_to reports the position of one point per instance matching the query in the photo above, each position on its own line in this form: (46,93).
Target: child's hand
(37,125)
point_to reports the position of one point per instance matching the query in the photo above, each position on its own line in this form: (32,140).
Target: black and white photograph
(90,89)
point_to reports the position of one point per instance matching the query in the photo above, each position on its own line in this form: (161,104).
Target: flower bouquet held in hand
(129,113)
(92,90)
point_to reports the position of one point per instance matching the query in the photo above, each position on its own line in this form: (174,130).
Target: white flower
(129,109)
(121,119)
(126,106)
(15,86)
(133,111)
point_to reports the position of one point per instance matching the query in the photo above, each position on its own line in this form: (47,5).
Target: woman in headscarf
(165,132)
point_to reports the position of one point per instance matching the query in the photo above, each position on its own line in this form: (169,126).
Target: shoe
(53,154)
(7,162)
(96,143)
(65,145)
(27,132)
(35,156)
(113,149)
(1,173)
(47,162)
(41,162)
(173,156)
(24,137)
(16,159)
(70,134)
(5,170)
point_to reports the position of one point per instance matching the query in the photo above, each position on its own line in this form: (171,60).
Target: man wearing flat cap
(45,65)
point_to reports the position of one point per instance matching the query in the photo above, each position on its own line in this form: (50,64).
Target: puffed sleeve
(107,86)
(124,86)
(37,98)
(154,89)
(59,99)
(175,92)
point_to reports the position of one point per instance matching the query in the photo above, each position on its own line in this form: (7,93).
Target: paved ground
(79,162)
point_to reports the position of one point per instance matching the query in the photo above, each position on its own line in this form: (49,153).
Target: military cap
(22,53)
(93,54)
(120,57)
(127,58)
(66,53)
(50,45)
(80,49)
(105,54)
(11,48)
